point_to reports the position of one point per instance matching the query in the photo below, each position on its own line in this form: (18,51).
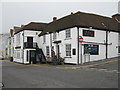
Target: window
(68,33)
(54,36)
(91,49)
(17,54)
(119,37)
(68,49)
(88,33)
(74,51)
(118,49)
(44,39)
(47,51)
(18,39)
(27,55)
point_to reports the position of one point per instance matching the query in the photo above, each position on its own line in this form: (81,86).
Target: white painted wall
(113,49)
(100,37)
(72,41)
(61,36)
(43,45)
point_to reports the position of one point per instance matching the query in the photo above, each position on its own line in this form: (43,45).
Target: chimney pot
(71,13)
(54,18)
(116,17)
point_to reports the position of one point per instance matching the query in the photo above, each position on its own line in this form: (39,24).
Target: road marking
(102,70)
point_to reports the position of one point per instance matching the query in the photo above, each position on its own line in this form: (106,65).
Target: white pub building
(82,37)
(78,38)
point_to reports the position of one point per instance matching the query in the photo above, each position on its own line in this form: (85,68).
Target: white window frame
(68,50)
(47,51)
(17,54)
(119,36)
(68,33)
(44,39)
(54,36)
(17,39)
(118,49)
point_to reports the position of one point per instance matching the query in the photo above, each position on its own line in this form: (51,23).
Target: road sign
(81,39)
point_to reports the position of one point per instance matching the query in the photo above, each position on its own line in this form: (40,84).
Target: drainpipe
(23,46)
(51,43)
(106,44)
(78,44)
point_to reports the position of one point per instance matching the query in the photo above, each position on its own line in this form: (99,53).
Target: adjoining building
(4,45)
(81,37)
(26,48)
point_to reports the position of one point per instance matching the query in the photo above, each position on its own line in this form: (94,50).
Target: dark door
(33,57)
(30,41)
(58,51)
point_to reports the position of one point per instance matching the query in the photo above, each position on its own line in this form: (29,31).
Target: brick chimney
(54,18)
(116,17)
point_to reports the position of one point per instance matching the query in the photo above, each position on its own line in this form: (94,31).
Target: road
(35,76)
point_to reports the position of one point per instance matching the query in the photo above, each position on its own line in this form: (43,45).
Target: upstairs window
(68,33)
(54,36)
(44,39)
(119,37)
(18,39)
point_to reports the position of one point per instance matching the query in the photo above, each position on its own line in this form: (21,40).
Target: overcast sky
(20,13)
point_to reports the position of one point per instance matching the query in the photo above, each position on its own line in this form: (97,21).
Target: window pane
(68,33)
(47,51)
(54,36)
(118,49)
(68,50)
(44,39)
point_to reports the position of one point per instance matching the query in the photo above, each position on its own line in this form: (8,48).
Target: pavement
(85,65)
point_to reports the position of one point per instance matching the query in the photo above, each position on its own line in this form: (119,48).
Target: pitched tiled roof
(81,19)
(17,29)
(34,26)
(11,32)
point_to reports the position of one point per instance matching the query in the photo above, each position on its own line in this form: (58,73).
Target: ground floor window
(118,49)
(17,54)
(91,49)
(68,49)
(47,51)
